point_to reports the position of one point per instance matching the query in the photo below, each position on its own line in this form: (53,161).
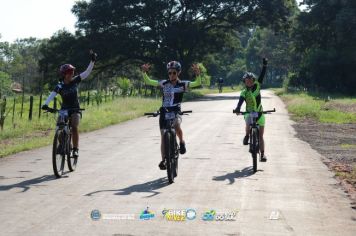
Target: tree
(325,38)
(161,30)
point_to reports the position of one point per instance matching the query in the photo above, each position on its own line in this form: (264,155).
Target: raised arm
(146,78)
(263,72)
(197,81)
(87,72)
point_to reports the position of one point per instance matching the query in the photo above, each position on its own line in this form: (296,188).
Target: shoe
(162,165)
(75,153)
(245,141)
(182,149)
(263,158)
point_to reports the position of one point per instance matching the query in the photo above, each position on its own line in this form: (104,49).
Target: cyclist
(252,96)
(68,89)
(220,84)
(173,89)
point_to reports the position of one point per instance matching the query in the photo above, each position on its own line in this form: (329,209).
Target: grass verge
(339,110)
(24,135)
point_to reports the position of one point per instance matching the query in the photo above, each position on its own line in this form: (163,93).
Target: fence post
(22,101)
(13,111)
(31,108)
(39,108)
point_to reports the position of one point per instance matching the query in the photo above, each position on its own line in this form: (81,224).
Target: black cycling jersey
(69,93)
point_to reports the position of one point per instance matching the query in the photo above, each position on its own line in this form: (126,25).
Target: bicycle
(62,142)
(254,134)
(171,148)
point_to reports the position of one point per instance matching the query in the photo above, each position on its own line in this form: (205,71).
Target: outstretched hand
(93,55)
(145,67)
(196,69)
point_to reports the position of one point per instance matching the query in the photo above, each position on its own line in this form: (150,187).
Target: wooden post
(40,107)
(13,111)
(31,108)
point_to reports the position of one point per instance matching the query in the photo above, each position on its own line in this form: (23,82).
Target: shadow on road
(238,174)
(148,187)
(26,185)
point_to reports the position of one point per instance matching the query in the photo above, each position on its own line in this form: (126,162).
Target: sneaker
(245,141)
(162,165)
(182,149)
(263,158)
(75,153)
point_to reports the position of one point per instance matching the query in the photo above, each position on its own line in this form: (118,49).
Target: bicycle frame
(254,133)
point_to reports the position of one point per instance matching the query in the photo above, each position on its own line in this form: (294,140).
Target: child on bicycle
(68,89)
(173,89)
(252,96)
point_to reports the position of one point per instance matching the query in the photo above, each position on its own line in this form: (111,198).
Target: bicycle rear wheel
(254,149)
(71,161)
(58,154)
(168,156)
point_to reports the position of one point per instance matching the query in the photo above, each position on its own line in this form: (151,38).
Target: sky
(35,18)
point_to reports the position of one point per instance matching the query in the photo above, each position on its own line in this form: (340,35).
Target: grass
(303,105)
(25,135)
(348,146)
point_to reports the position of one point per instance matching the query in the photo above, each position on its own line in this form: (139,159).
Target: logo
(191,214)
(179,215)
(212,215)
(209,215)
(147,214)
(95,214)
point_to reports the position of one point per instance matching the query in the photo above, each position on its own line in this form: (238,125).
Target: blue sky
(35,18)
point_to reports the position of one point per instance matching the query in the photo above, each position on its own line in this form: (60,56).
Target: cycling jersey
(252,96)
(172,94)
(69,92)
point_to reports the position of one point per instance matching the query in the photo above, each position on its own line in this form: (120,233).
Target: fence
(29,106)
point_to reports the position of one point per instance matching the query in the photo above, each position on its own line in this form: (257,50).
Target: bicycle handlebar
(52,110)
(263,112)
(154,114)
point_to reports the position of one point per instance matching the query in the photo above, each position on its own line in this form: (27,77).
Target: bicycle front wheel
(168,155)
(58,153)
(71,160)
(254,150)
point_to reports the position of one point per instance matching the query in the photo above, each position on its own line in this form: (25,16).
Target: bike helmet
(248,75)
(174,65)
(64,69)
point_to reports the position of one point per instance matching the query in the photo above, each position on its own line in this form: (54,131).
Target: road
(292,194)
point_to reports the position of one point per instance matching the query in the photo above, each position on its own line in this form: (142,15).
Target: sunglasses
(172,73)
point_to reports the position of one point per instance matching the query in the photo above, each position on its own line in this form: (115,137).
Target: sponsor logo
(147,214)
(212,215)
(95,215)
(179,214)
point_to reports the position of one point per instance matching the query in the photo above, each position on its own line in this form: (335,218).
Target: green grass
(26,135)
(348,146)
(303,105)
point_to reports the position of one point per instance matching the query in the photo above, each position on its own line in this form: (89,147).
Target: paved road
(118,174)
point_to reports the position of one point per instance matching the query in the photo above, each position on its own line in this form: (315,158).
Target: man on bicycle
(252,96)
(173,89)
(68,89)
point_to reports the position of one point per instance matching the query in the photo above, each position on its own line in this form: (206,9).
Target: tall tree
(161,30)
